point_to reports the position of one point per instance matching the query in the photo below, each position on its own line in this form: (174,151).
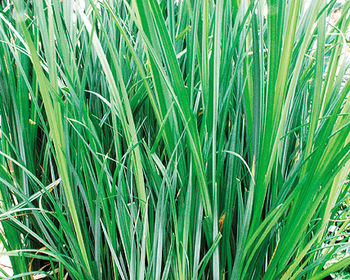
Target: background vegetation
(146,139)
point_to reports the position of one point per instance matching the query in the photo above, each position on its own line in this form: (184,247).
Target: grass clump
(150,139)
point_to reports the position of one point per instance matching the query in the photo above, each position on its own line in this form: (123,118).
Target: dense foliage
(149,139)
